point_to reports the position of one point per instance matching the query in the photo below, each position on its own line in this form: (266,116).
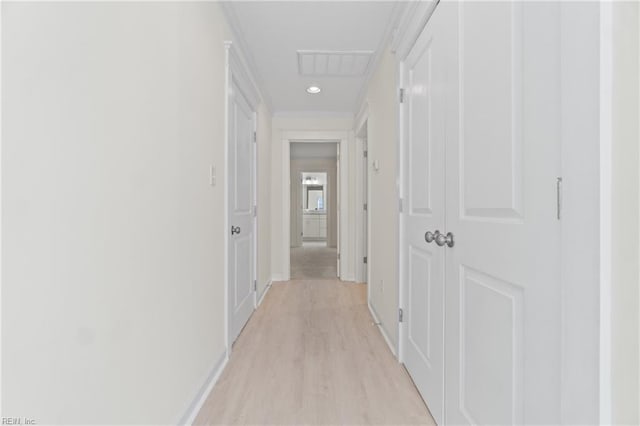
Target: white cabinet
(314,226)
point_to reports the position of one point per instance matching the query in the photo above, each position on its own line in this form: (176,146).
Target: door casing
(341,139)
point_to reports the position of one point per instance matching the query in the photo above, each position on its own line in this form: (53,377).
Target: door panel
(418,318)
(241,201)
(503,150)
(423,263)
(490,380)
(490,84)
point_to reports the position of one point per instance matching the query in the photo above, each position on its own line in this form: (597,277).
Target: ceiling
(331,44)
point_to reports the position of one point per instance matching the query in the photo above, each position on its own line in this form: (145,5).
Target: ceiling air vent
(334,63)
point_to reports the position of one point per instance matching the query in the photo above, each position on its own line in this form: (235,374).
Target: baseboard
(350,278)
(264,292)
(382,330)
(277,277)
(194,408)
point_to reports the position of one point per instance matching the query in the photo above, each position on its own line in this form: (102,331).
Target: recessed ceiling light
(313,90)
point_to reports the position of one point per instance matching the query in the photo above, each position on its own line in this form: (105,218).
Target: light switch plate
(212,175)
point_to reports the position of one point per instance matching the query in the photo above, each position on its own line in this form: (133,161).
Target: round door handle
(442,239)
(235,230)
(431,236)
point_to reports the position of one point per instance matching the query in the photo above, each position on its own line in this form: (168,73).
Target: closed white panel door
(503,288)
(338,230)
(424,210)
(241,202)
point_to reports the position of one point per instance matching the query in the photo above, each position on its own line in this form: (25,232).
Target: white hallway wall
(113,289)
(382,103)
(280,125)
(625,243)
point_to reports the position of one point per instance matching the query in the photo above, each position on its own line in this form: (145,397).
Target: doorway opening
(314,212)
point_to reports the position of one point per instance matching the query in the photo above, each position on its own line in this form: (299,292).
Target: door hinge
(255,137)
(401,95)
(255,285)
(558,197)
(364,259)
(255,211)
(365,154)
(400,205)
(400,315)
(338,256)
(365,207)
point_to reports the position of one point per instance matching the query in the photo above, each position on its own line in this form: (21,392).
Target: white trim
(382,330)
(397,12)
(241,76)
(277,278)
(264,292)
(205,390)
(606,89)
(401,220)
(411,24)
(314,136)
(254,222)
(244,54)
(313,114)
(362,270)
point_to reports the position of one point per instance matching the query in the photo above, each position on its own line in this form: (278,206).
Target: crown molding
(397,14)
(244,54)
(314,114)
(410,25)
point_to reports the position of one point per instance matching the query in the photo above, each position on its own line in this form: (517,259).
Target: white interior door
(365,213)
(503,293)
(482,107)
(241,210)
(338,230)
(424,198)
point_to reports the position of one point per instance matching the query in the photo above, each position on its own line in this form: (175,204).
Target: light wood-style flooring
(312,355)
(314,262)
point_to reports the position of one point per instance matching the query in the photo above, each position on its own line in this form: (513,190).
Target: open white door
(423,264)
(503,286)
(241,189)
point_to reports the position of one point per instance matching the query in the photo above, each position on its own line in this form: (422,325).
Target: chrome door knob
(431,236)
(442,239)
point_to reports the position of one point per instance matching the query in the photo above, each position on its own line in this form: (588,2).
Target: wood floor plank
(311,355)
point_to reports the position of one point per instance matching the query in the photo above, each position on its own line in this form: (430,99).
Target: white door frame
(362,120)
(341,138)
(585,205)
(327,197)
(236,72)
